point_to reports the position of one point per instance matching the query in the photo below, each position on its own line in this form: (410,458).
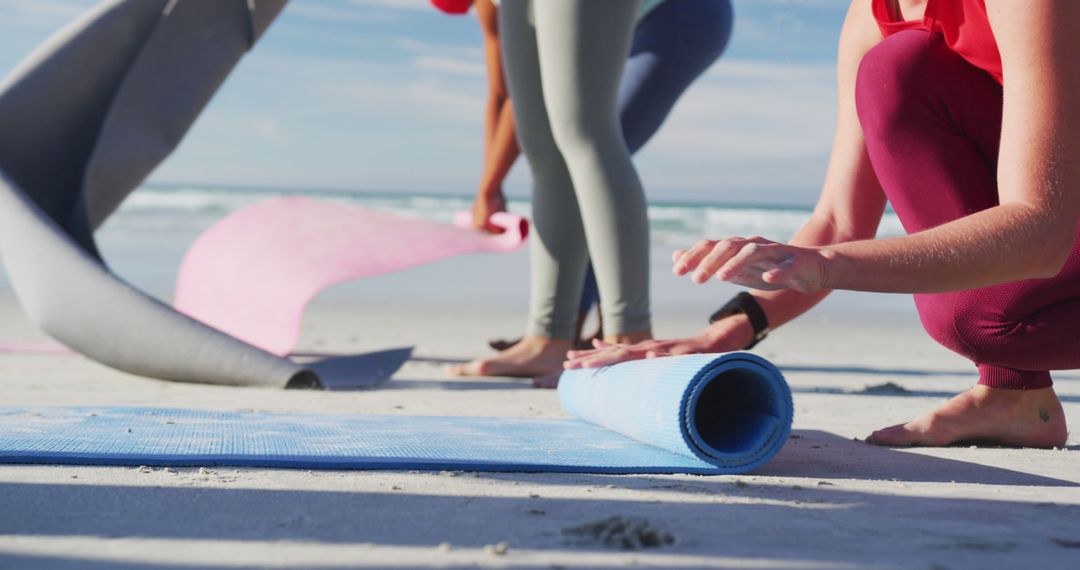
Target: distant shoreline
(368,192)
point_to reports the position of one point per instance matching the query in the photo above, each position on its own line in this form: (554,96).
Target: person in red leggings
(965,116)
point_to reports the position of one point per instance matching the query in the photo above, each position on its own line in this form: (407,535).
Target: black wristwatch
(746,304)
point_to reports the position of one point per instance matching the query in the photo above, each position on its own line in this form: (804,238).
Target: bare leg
(628,338)
(500,139)
(582,343)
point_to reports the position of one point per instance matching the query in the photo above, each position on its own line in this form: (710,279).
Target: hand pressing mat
(704,414)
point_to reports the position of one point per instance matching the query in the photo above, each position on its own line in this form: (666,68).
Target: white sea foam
(188,200)
(673,225)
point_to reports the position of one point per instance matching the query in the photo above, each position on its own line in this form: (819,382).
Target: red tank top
(963,24)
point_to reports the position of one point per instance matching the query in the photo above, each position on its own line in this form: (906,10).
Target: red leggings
(932,123)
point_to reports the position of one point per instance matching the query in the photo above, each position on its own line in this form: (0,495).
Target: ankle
(546,343)
(1015,401)
(628,338)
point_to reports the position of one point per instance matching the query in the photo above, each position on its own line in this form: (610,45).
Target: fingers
(607,357)
(707,257)
(471,368)
(775,276)
(752,258)
(610,354)
(686,261)
(599,344)
(720,254)
(579,354)
(484,206)
(683,348)
(605,354)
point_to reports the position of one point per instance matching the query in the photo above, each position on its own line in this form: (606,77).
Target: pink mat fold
(34,347)
(252,273)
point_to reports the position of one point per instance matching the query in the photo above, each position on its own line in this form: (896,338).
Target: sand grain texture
(826,501)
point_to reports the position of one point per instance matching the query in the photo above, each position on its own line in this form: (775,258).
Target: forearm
(781,307)
(1005,243)
(851,202)
(500,138)
(501,153)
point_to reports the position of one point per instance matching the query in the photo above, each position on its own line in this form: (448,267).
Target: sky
(388,96)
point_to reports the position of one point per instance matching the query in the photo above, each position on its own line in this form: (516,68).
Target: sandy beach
(381,104)
(827,500)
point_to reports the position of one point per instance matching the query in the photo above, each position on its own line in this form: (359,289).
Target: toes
(474,368)
(893,436)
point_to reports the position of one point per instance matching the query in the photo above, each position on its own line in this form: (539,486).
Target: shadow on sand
(819,522)
(895,391)
(914,372)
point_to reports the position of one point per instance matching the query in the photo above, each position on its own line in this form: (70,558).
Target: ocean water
(671,224)
(145,241)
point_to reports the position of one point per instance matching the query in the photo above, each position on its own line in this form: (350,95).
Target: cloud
(268,129)
(745,110)
(450,66)
(435,101)
(430,91)
(394,4)
(354,11)
(415,45)
(51,11)
(324,12)
(747,125)
(396,101)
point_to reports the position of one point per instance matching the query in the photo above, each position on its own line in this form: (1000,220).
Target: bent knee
(897,75)
(578,127)
(978,331)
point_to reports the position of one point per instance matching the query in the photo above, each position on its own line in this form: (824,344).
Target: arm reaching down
(849,208)
(500,136)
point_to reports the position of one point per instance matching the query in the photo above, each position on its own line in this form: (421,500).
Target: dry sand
(827,501)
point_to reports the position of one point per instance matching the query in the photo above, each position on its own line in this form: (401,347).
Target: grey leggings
(564,61)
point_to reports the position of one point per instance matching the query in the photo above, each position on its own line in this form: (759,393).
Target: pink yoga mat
(34,347)
(252,273)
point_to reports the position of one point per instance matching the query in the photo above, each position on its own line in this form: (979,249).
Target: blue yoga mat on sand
(704,414)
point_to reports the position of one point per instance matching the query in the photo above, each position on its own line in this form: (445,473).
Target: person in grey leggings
(564,61)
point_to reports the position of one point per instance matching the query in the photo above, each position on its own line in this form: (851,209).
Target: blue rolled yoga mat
(704,414)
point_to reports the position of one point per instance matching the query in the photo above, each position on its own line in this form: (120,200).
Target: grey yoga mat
(706,413)
(83,121)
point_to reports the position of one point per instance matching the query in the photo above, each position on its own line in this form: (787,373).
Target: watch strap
(746,304)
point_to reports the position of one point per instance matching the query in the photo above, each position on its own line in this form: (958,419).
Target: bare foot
(1015,418)
(533,356)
